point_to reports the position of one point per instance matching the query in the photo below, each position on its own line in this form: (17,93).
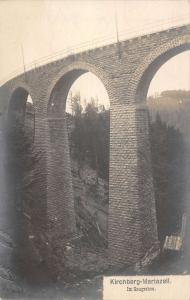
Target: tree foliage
(90,138)
(168,162)
(176,94)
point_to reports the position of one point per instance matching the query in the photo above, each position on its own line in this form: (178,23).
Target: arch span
(145,73)
(66,77)
(59,177)
(20,109)
(153,62)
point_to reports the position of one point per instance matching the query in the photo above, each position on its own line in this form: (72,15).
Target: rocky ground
(91,287)
(86,257)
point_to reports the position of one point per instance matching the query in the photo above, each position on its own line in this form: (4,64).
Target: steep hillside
(173,108)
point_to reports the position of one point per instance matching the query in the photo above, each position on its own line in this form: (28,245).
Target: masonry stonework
(126,70)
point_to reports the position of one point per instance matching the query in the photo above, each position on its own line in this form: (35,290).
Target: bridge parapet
(76,52)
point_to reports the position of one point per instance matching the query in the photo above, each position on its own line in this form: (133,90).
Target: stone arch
(138,133)
(18,100)
(146,71)
(143,75)
(61,211)
(69,75)
(18,105)
(21,86)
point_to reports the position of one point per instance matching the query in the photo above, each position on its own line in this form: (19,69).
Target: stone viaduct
(126,69)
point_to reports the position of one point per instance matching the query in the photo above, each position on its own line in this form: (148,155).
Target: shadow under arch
(19,143)
(18,101)
(20,110)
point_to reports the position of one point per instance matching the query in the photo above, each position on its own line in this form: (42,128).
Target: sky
(39,28)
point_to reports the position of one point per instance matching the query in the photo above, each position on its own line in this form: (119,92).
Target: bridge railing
(101,42)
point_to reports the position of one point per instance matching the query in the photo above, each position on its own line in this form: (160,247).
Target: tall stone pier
(8,278)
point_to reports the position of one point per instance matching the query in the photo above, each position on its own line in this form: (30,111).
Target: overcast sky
(44,27)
